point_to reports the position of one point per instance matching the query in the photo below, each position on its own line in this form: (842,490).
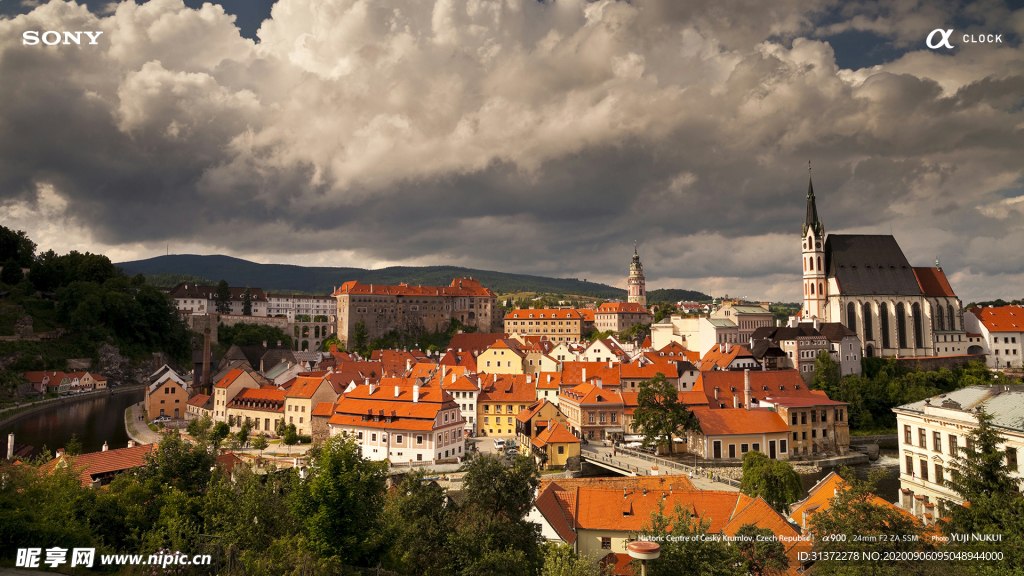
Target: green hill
(323,280)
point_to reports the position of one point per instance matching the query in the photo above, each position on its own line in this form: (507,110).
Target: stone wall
(929,363)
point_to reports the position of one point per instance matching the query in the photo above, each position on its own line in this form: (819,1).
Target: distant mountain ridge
(313,279)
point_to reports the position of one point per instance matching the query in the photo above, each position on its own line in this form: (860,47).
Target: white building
(194,299)
(700,334)
(931,432)
(292,305)
(401,421)
(1001,332)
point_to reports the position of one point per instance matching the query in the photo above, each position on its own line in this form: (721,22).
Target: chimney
(264,343)
(817,323)
(96,483)
(371,389)
(206,359)
(529,378)
(444,371)
(584,374)
(60,452)
(716,392)
(597,381)
(408,364)
(396,391)
(10,445)
(131,443)
(453,377)
(549,378)
(728,347)
(735,401)
(623,492)
(609,363)
(479,383)
(104,446)
(746,388)
(415,393)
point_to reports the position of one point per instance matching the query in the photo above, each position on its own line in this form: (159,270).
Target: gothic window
(851,317)
(819,262)
(867,322)
(821,289)
(901,325)
(883,324)
(952,318)
(812,288)
(812,263)
(940,323)
(916,311)
(805,261)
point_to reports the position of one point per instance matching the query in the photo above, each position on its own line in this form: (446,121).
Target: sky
(522,136)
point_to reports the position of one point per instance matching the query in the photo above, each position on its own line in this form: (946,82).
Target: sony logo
(52,37)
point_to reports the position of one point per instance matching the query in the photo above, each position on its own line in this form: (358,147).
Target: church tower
(813,241)
(636,282)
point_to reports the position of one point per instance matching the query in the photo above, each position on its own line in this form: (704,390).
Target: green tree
(417,525)
(222,300)
(759,552)
(251,335)
(340,502)
(260,443)
(179,464)
(290,436)
(826,374)
(247,302)
(687,552)
(16,245)
(855,510)
(219,432)
(561,560)
(774,480)
(74,447)
(659,414)
(249,510)
(243,432)
(331,340)
(360,337)
(11,274)
(200,428)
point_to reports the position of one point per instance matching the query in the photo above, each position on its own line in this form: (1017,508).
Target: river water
(887,488)
(93,421)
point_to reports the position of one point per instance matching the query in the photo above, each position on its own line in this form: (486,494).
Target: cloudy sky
(518,135)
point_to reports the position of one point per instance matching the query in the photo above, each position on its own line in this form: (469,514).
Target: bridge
(635,463)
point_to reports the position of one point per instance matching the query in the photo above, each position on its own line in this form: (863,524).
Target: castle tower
(813,242)
(636,282)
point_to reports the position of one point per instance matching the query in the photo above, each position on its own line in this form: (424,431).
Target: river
(93,421)
(887,488)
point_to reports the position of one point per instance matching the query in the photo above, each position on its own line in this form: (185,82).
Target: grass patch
(154,428)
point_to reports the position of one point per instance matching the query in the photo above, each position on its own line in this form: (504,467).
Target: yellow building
(554,446)
(559,325)
(537,417)
(300,399)
(501,398)
(503,357)
(227,388)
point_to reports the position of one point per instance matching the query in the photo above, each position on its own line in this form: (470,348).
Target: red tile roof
(323,409)
(305,386)
(94,464)
(781,383)
(587,314)
(507,388)
(463,383)
(470,341)
(622,308)
(557,434)
(198,400)
(634,371)
(729,421)
(572,373)
(618,564)
(229,378)
(1001,319)
(590,394)
(459,287)
(545,313)
(933,282)
(548,505)
(549,380)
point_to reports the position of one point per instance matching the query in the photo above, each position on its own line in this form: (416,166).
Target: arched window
(952,318)
(821,289)
(869,351)
(819,262)
(940,323)
(901,325)
(805,288)
(805,261)
(867,322)
(915,309)
(883,324)
(851,317)
(812,263)
(812,288)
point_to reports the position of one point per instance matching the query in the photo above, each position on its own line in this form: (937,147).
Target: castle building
(636,282)
(865,282)
(415,308)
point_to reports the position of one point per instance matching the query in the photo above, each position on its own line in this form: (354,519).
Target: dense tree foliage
(685,553)
(886,384)
(222,299)
(251,335)
(660,415)
(395,340)
(16,245)
(774,480)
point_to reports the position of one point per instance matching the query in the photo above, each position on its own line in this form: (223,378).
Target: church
(866,283)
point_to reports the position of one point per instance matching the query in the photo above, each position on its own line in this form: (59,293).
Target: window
(757,447)
(744,448)
(398,439)
(937,441)
(924,470)
(606,543)
(794,418)
(782,446)
(910,466)
(952,445)
(803,417)
(1011,459)
(561,449)
(419,439)
(906,434)
(373,437)
(921,438)
(939,476)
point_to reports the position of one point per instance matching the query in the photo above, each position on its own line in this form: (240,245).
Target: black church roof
(869,264)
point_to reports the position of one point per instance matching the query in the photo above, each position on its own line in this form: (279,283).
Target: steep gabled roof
(864,264)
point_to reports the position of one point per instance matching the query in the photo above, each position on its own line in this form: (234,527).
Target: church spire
(811,222)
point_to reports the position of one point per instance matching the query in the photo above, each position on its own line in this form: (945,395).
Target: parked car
(499,443)
(162,419)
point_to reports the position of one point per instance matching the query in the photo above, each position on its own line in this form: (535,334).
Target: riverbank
(138,431)
(11,415)
(736,472)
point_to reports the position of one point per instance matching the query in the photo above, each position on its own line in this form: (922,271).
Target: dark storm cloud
(532,137)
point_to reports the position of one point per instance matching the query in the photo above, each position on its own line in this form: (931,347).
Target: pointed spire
(811,221)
